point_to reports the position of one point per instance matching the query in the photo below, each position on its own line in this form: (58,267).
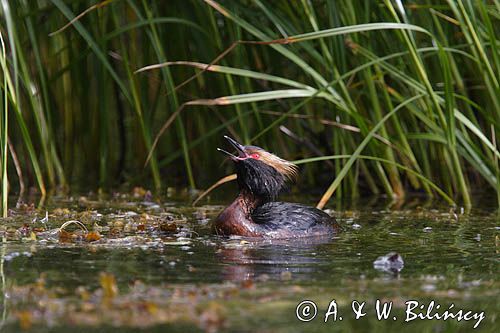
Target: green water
(190,280)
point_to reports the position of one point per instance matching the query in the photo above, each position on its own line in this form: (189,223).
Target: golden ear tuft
(286,168)
(289,170)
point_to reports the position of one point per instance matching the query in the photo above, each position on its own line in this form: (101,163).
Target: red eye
(255,156)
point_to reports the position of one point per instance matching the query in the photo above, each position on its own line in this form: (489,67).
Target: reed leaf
(121,81)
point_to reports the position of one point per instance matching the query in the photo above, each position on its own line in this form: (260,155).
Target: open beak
(239,147)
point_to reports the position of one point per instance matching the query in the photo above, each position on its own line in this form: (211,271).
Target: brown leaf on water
(65,236)
(118,224)
(168,227)
(150,307)
(92,236)
(39,287)
(145,218)
(116,227)
(248,284)
(108,285)
(25,320)
(114,232)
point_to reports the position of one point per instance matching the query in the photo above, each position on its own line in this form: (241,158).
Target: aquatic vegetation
(391,97)
(208,307)
(133,263)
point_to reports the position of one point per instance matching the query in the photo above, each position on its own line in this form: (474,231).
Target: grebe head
(259,172)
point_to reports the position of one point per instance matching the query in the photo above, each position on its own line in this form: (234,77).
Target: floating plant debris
(118,265)
(391,262)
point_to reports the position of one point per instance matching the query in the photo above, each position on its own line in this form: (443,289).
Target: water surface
(157,266)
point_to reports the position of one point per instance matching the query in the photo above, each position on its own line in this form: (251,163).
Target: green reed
(4,128)
(390,99)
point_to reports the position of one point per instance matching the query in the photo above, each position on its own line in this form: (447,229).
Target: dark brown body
(273,220)
(236,219)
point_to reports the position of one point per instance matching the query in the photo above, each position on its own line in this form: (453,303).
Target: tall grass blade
(4,124)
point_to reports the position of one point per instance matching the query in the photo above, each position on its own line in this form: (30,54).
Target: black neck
(259,181)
